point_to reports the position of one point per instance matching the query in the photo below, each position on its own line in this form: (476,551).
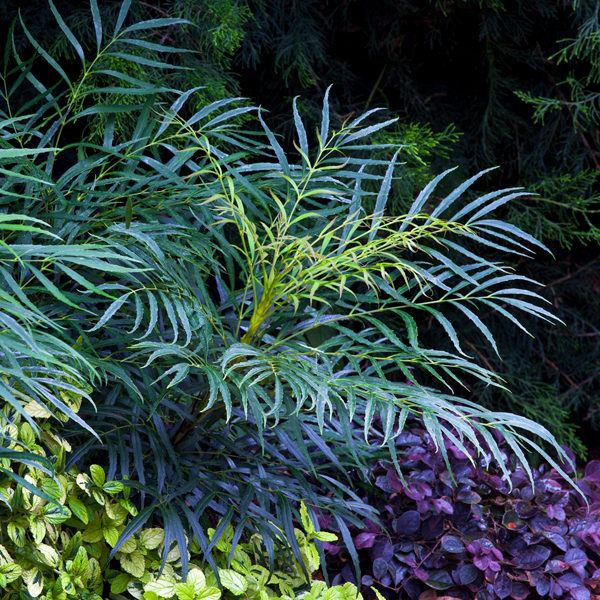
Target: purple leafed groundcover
(475,537)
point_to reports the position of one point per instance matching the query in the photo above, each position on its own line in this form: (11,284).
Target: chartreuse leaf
(133,563)
(325,536)
(233,581)
(197,580)
(209,593)
(111,535)
(119,584)
(185,591)
(152,538)
(305,519)
(98,475)
(163,588)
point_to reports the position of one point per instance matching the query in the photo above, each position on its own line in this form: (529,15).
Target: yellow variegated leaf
(49,555)
(56,513)
(79,563)
(37,411)
(163,588)
(37,528)
(99,497)
(196,579)
(16,533)
(111,535)
(10,431)
(128,546)
(129,506)
(55,441)
(92,573)
(133,563)
(233,581)
(209,593)
(93,533)
(65,539)
(85,483)
(52,532)
(66,583)
(64,488)
(34,581)
(11,572)
(5,557)
(152,538)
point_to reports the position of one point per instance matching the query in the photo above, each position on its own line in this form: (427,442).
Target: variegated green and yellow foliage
(60,543)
